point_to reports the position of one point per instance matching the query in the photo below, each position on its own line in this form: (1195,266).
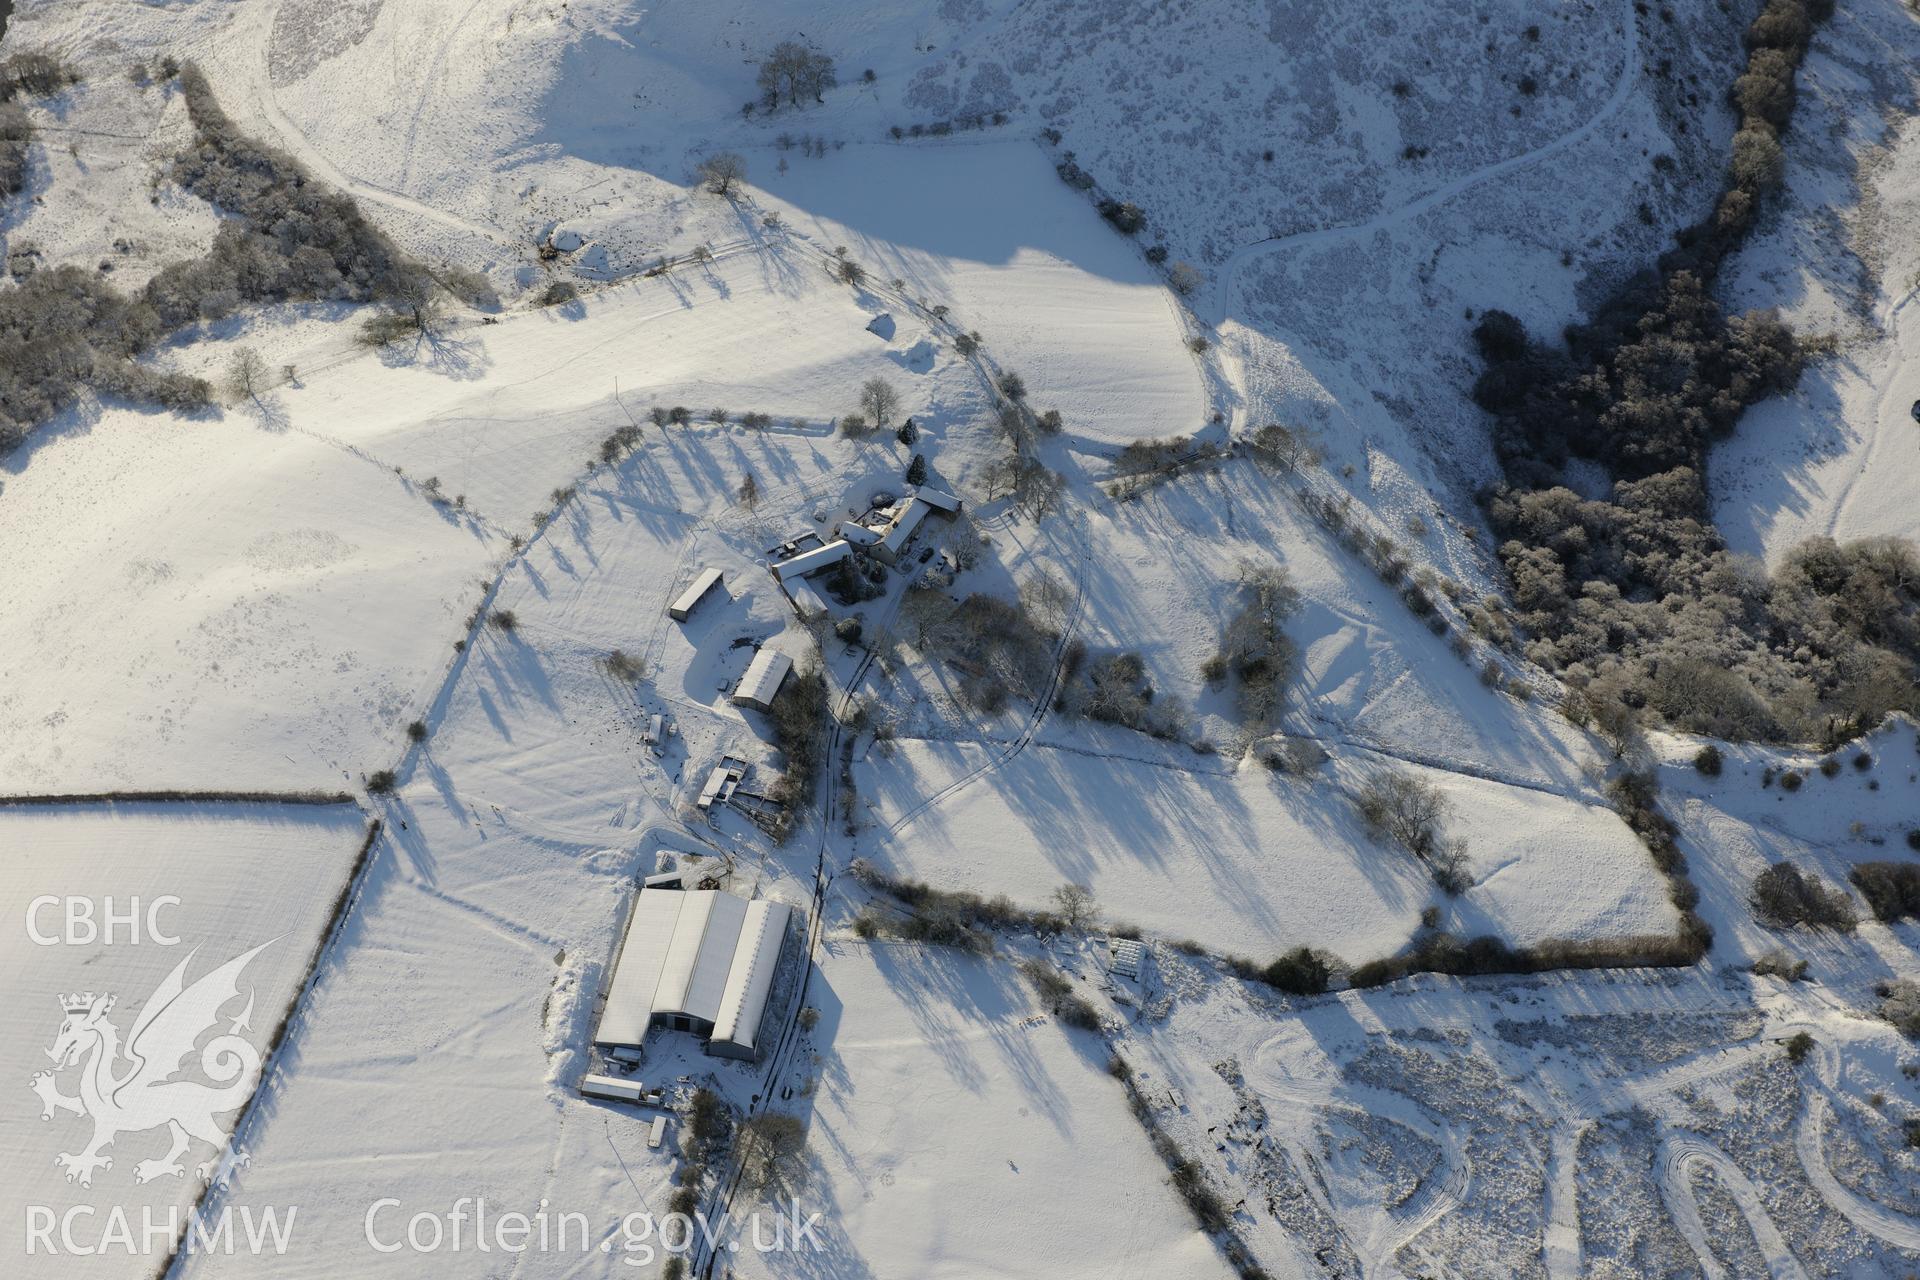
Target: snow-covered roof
(806,599)
(764,676)
(702,954)
(860,535)
(812,561)
(719,785)
(750,976)
(643,953)
(938,499)
(707,580)
(904,524)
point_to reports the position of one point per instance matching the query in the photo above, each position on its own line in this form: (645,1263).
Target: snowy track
(1680,1160)
(290,136)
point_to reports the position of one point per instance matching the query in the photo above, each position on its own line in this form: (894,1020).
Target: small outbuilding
(683,606)
(765,674)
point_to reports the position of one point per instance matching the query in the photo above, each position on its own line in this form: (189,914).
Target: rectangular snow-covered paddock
(112,899)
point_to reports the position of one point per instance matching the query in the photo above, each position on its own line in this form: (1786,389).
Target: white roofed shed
(813,561)
(765,674)
(683,606)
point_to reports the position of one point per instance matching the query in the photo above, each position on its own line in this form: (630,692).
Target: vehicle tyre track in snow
(1293,1073)
(1562,1246)
(1680,1157)
(1878,428)
(1896,1229)
(1616,101)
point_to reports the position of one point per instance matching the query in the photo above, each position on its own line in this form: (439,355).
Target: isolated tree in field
(849,272)
(246,375)
(917,470)
(879,399)
(907,433)
(1073,903)
(749,492)
(1185,278)
(793,71)
(1402,809)
(721,170)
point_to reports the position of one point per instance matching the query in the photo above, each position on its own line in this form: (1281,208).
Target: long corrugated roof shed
(813,561)
(764,676)
(702,954)
(751,975)
(683,606)
(636,974)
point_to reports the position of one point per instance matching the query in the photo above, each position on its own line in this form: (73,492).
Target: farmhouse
(695,960)
(765,674)
(907,517)
(683,606)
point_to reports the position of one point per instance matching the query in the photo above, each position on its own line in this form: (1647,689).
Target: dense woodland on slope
(1634,597)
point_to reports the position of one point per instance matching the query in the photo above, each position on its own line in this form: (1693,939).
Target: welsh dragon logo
(130,1088)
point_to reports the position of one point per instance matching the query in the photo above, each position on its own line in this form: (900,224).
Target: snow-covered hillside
(435,573)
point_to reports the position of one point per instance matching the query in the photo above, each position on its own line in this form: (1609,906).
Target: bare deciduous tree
(964,543)
(1074,904)
(771,1147)
(246,375)
(721,170)
(927,615)
(749,492)
(1284,448)
(879,399)
(794,71)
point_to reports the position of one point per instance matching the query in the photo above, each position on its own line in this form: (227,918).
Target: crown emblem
(80,1003)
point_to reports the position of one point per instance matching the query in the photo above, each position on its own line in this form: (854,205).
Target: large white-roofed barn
(695,960)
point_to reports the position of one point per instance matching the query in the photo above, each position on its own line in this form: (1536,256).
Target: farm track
(290,136)
(1880,427)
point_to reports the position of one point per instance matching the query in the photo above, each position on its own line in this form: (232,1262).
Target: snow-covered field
(109,901)
(1244,862)
(942,1096)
